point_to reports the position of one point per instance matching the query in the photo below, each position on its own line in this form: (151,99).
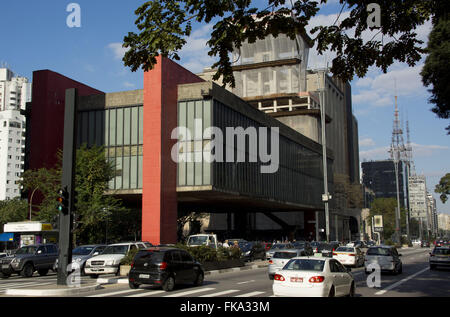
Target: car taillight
(315,250)
(270,262)
(334,253)
(316,279)
(132,264)
(279,277)
(351,254)
(163,266)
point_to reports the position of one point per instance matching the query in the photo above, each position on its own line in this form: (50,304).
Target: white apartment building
(418,200)
(432,213)
(444,224)
(15,92)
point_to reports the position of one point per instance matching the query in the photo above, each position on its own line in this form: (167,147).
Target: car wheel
(27,270)
(43,272)
(401,269)
(169,284)
(93,276)
(199,279)
(352,290)
(133,285)
(332,292)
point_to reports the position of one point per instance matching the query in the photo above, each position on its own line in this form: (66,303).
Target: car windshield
(116,249)
(247,247)
(299,244)
(345,249)
(284,255)
(279,246)
(82,250)
(27,250)
(201,240)
(378,251)
(305,265)
(441,251)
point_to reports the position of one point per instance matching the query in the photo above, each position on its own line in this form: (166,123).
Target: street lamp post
(31,201)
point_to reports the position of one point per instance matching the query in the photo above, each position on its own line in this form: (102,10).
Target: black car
(252,251)
(425,244)
(164,267)
(29,259)
(328,249)
(303,245)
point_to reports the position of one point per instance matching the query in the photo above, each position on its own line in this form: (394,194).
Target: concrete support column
(336,227)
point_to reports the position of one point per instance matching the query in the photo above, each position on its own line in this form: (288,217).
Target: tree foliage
(93,208)
(13,210)
(164,26)
(386,207)
(346,194)
(435,71)
(443,188)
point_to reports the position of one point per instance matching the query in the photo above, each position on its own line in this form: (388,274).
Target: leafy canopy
(164,26)
(443,188)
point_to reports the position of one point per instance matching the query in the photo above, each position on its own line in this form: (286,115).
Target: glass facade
(299,178)
(120,131)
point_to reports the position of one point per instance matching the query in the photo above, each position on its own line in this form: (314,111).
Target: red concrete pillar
(159,197)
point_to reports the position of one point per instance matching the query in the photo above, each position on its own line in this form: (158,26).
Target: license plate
(144,275)
(5,266)
(296,279)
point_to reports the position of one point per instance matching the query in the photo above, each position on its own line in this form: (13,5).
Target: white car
(280,258)
(313,277)
(349,256)
(109,261)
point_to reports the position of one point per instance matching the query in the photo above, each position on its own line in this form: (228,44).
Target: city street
(416,281)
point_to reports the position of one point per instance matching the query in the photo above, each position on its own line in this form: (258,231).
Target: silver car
(82,253)
(276,247)
(386,258)
(280,258)
(440,257)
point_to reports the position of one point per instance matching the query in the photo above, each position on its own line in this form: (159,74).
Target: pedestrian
(225,244)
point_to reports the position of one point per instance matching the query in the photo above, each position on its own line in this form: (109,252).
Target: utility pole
(397,152)
(326,196)
(67,186)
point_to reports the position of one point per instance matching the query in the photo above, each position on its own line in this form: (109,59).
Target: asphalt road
(416,281)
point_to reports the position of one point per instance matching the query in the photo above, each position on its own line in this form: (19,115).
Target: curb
(52,292)
(112,280)
(236,269)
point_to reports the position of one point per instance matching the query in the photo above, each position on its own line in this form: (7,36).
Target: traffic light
(63,201)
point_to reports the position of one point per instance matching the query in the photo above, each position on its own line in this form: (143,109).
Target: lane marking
(246,282)
(116,293)
(191,292)
(221,293)
(144,294)
(384,291)
(24,286)
(250,294)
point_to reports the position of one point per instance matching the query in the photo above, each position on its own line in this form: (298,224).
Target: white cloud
(419,150)
(366,142)
(127,84)
(117,50)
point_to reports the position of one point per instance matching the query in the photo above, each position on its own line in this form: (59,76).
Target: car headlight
(110,262)
(78,260)
(15,260)
(247,253)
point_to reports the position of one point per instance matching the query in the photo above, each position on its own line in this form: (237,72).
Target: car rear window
(345,249)
(441,251)
(378,251)
(148,256)
(305,265)
(284,255)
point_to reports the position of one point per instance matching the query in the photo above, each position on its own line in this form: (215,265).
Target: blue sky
(35,36)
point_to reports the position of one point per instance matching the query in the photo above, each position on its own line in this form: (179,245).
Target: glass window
(91,128)
(176,256)
(140,171)
(133,172)
(99,118)
(126,172)
(119,172)
(127,126)
(106,128)
(119,140)
(134,125)
(112,127)
(141,125)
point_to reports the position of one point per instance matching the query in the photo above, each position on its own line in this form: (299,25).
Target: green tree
(93,207)
(435,71)
(164,26)
(386,207)
(443,188)
(13,210)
